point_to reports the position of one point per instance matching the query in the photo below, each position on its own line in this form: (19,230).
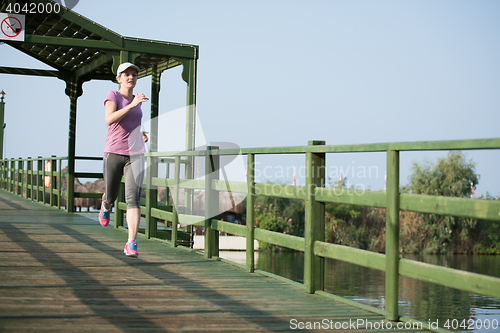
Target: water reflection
(417,299)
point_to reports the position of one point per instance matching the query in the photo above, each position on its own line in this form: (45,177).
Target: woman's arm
(112,115)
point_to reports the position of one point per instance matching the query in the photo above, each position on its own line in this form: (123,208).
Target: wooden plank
(351,196)
(349,254)
(230,228)
(475,208)
(183,183)
(289,241)
(449,277)
(161,214)
(282,191)
(230,186)
(190,219)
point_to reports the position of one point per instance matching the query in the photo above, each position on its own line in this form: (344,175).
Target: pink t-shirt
(124,136)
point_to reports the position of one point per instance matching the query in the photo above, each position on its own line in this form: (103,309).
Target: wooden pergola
(81,50)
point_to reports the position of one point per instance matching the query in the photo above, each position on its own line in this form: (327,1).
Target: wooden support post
(167,188)
(39,179)
(44,189)
(5,174)
(392,237)
(29,178)
(314,266)
(59,183)
(1,173)
(20,171)
(250,250)
(152,162)
(52,187)
(12,174)
(2,115)
(212,166)
(151,196)
(73,91)
(189,76)
(175,209)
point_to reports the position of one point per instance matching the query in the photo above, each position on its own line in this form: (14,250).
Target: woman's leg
(113,172)
(133,219)
(134,176)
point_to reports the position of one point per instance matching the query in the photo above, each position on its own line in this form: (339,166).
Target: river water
(427,302)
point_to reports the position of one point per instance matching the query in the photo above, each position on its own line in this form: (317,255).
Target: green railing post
(39,179)
(59,183)
(119,214)
(12,173)
(151,196)
(176,205)
(1,174)
(212,164)
(167,188)
(2,115)
(29,178)
(152,162)
(44,189)
(392,237)
(20,171)
(52,181)
(250,250)
(189,76)
(314,229)
(5,174)
(73,91)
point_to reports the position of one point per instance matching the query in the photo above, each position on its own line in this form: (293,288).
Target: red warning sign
(12,27)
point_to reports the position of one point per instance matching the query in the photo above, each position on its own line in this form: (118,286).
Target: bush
(268,218)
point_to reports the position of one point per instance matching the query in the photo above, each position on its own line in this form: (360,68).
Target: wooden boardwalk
(64,272)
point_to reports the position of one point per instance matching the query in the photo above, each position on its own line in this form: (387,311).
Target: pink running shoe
(104,216)
(131,249)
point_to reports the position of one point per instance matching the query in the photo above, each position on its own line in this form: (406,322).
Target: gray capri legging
(116,166)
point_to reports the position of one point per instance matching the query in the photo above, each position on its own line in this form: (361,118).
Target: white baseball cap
(123,67)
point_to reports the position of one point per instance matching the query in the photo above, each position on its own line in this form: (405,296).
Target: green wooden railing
(26,177)
(315,194)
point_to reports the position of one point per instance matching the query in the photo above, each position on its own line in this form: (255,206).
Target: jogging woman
(124,151)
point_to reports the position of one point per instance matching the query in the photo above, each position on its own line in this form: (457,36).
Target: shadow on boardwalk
(61,271)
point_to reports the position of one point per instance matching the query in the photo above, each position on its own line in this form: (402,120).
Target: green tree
(451,176)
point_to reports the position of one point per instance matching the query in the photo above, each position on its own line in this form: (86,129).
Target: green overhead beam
(131,45)
(89,68)
(160,48)
(171,63)
(70,42)
(34,72)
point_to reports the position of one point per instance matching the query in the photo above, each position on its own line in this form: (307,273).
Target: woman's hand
(144,136)
(138,99)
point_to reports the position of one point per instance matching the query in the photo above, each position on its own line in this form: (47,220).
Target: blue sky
(281,73)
